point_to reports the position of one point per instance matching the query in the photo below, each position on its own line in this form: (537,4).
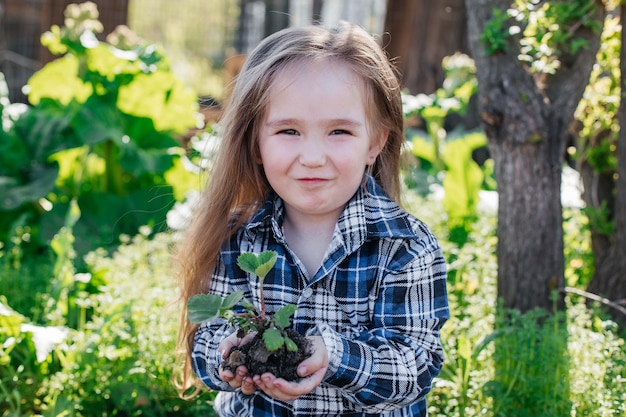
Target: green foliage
(597,111)
(258,265)
(525,347)
(21,281)
(125,352)
(495,33)
(119,360)
(463,178)
(450,154)
(206,307)
(546,31)
(597,379)
(27,359)
(466,337)
(599,219)
(597,115)
(579,259)
(580,354)
(100,130)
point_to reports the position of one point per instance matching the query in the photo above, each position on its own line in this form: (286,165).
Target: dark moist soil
(282,363)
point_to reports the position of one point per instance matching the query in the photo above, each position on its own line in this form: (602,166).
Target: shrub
(101,128)
(119,358)
(122,361)
(531,363)
(501,363)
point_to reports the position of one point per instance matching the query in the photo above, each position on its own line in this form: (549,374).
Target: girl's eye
(340,132)
(288,132)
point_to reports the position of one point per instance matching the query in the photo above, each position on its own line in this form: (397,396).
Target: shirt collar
(370,213)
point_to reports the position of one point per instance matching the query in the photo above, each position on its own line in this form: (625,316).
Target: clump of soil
(282,362)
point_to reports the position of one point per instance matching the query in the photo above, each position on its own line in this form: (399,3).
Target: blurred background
(199,35)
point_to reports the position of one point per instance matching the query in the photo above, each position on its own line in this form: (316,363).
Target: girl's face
(314,141)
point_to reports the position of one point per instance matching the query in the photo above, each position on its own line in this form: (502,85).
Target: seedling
(206,307)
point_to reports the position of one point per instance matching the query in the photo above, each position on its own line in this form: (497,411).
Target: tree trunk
(526,121)
(609,279)
(422,33)
(598,189)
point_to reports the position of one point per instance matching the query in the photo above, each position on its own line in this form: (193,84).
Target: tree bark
(526,120)
(420,34)
(609,279)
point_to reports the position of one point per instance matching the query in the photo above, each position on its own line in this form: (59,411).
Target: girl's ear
(377,145)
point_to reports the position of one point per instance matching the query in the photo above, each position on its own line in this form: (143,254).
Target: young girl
(309,167)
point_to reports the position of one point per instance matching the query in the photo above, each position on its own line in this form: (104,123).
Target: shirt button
(307,292)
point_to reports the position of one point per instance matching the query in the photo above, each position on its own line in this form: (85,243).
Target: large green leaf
(139,161)
(109,63)
(143,149)
(463,178)
(203,307)
(58,80)
(46,129)
(423,148)
(14,194)
(98,120)
(106,216)
(14,155)
(161,97)
(231,300)
(144,133)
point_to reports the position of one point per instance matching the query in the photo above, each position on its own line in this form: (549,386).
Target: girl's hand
(239,378)
(312,371)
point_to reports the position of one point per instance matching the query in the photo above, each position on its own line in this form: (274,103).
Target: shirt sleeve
(205,356)
(392,364)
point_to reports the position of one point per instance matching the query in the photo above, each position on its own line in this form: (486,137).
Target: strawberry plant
(275,347)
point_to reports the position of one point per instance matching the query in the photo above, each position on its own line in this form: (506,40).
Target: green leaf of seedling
(290,345)
(203,307)
(245,303)
(231,300)
(259,264)
(247,261)
(273,339)
(283,315)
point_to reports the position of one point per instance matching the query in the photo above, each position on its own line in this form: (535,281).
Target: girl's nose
(312,153)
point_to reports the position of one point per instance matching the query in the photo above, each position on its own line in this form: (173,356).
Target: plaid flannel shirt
(378,300)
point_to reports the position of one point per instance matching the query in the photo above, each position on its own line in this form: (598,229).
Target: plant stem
(261,280)
(113,172)
(262,304)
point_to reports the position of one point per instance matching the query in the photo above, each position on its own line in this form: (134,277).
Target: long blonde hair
(236,181)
